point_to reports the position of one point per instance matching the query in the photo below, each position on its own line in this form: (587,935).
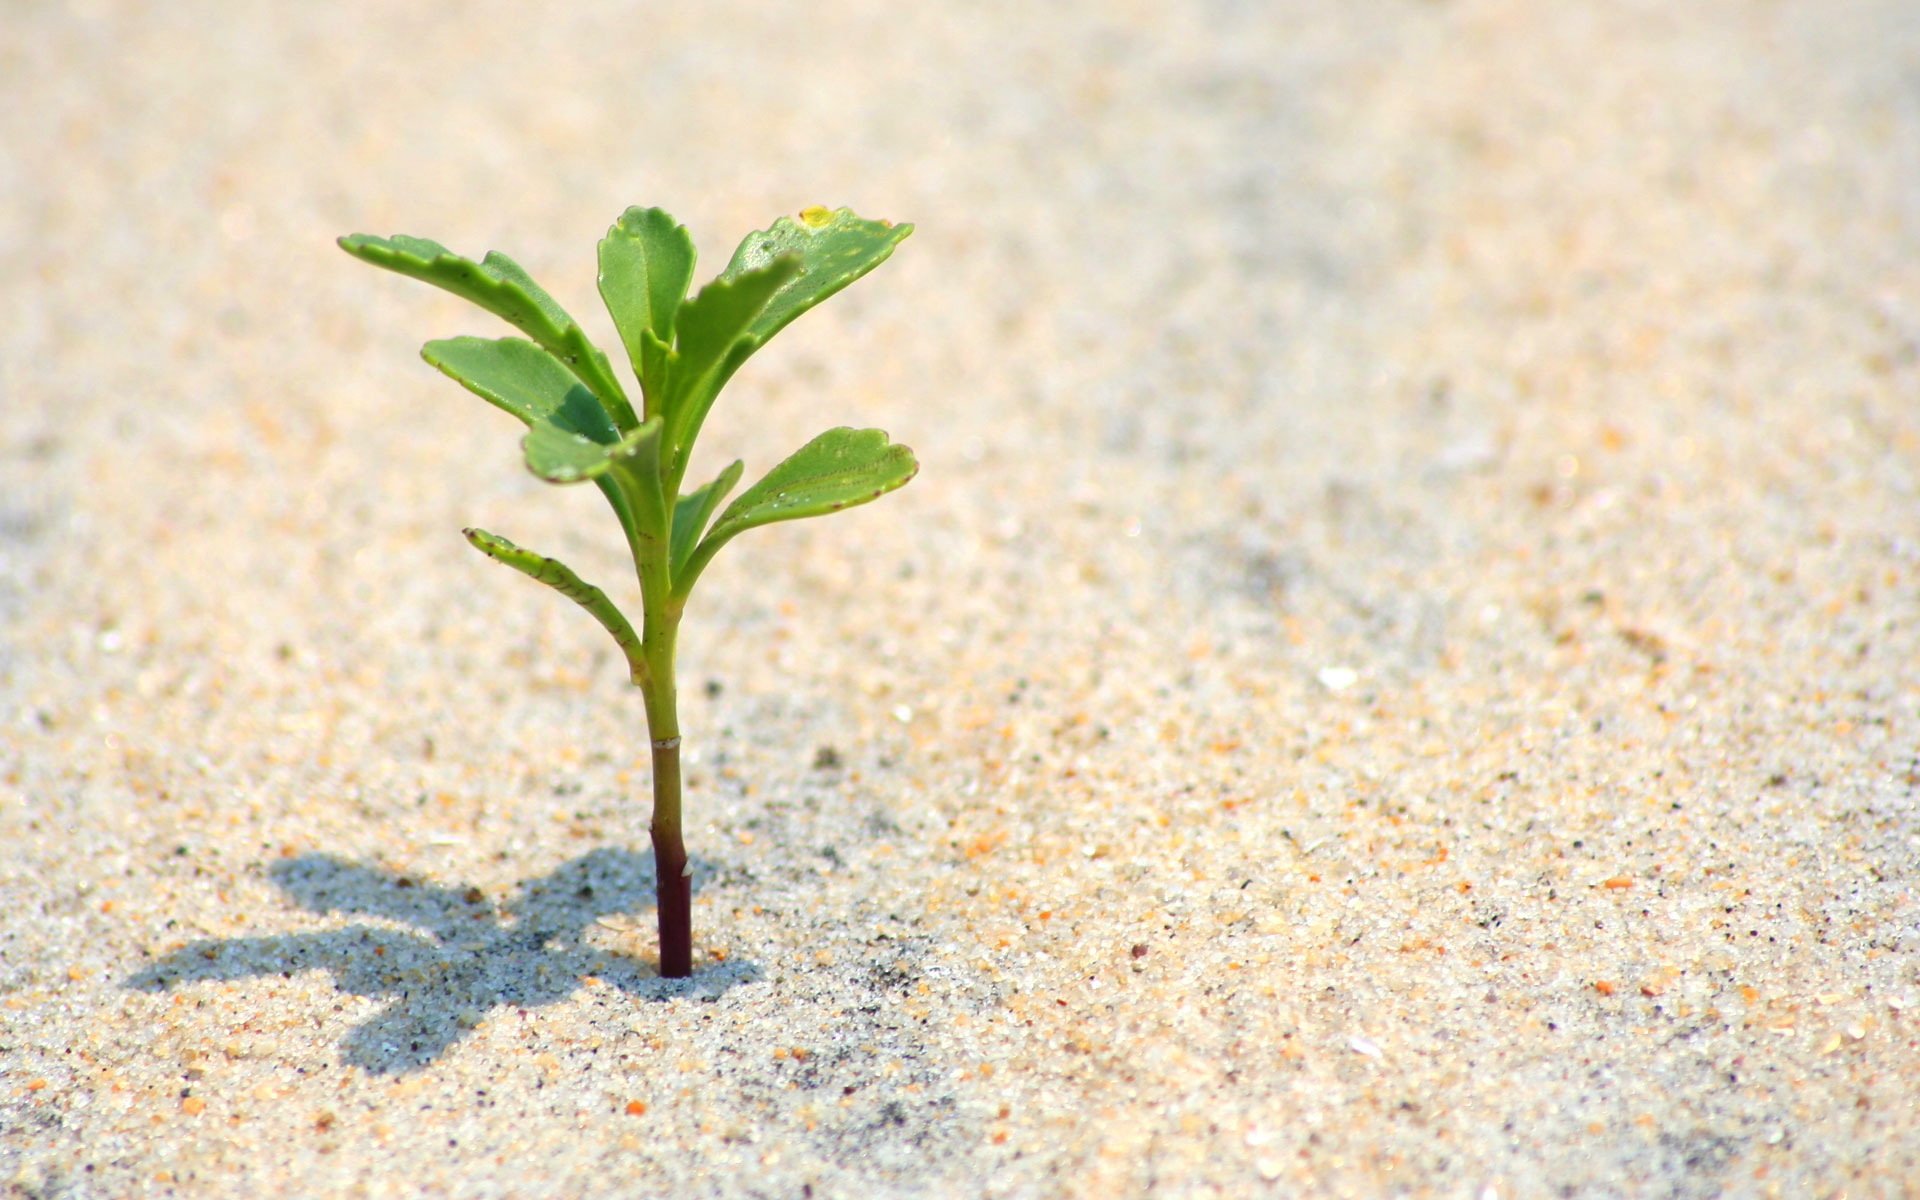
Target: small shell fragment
(1337,678)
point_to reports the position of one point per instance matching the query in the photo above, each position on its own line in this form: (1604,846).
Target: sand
(1396,678)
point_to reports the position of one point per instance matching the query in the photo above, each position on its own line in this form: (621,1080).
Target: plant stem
(673,876)
(673,894)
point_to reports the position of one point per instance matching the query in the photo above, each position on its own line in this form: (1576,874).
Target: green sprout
(582,425)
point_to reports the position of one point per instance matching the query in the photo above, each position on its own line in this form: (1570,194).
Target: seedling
(581,425)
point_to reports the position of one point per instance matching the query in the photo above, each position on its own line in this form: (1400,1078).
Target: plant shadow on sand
(472,956)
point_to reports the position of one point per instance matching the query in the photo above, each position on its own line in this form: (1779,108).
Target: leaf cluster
(582,423)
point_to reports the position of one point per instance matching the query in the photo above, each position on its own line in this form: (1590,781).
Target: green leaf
(503,288)
(654,365)
(632,465)
(646,265)
(775,275)
(839,469)
(570,437)
(692,512)
(557,575)
(521,378)
(835,248)
(561,456)
(711,343)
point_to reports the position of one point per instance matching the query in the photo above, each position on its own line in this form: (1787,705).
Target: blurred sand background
(1397,676)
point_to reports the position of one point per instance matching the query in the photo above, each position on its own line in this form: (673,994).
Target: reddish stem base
(674,898)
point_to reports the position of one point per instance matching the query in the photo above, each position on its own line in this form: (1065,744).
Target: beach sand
(1397,677)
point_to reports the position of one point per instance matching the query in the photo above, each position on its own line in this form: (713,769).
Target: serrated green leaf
(834,247)
(503,288)
(775,275)
(693,510)
(515,375)
(646,265)
(839,469)
(557,575)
